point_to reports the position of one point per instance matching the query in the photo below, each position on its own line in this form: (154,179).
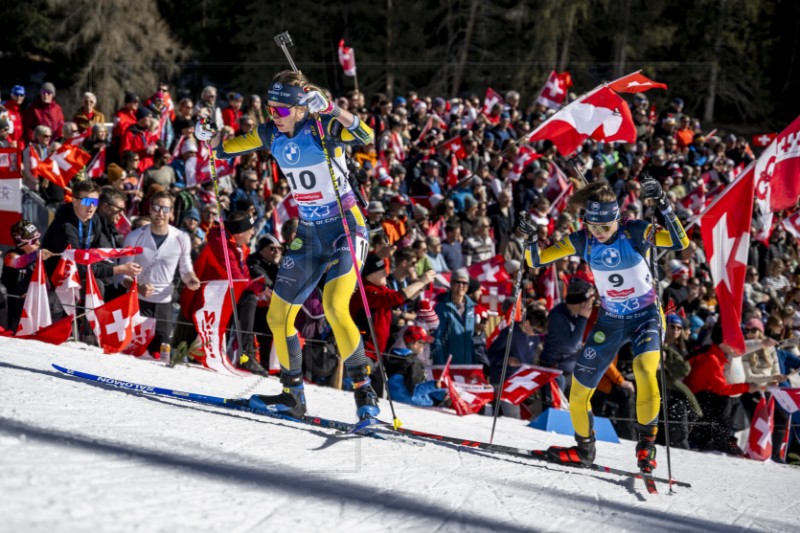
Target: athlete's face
(293,114)
(603,232)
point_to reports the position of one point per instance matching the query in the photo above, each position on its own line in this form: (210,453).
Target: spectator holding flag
(617,252)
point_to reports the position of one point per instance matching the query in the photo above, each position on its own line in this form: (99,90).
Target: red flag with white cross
(492,98)
(759,445)
(526,381)
(10,192)
(115,321)
(726,239)
(602,115)
(456,146)
(635,83)
(554,93)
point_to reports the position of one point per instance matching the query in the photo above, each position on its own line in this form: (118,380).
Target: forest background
(734,62)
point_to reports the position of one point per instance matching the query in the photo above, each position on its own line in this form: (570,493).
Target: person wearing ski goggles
(320,246)
(618,253)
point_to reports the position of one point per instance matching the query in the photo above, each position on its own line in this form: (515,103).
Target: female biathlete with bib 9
(618,254)
(320,247)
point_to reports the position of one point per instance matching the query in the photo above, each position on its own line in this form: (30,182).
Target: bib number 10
(307,180)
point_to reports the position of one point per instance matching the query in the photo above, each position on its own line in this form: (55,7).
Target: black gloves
(652,189)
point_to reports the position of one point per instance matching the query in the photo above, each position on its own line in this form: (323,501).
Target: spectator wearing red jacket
(125,117)
(381,300)
(707,382)
(45,111)
(14,107)
(140,139)
(232,113)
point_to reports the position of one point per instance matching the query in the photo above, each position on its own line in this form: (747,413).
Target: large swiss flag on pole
(726,238)
(776,174)
(602,115)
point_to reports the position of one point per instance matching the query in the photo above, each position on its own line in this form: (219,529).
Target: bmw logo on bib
(277,87)
(610,257)
(291,153)
(595,206)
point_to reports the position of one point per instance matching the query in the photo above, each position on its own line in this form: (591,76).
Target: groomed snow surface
(79,456)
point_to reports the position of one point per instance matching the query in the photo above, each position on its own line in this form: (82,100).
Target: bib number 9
(616,280)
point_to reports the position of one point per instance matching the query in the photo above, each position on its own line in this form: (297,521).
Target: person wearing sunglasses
(165,250)
(618,254)
(77,224)
(320,246)
(18,266)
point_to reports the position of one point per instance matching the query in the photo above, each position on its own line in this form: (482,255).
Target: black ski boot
(646,447)
(366,399)
(581,454)
(251,364)
(290,402)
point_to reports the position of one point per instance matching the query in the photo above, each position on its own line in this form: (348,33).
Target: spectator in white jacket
(164,249)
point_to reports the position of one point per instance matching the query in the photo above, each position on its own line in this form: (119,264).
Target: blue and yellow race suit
(629,310)
(320,247)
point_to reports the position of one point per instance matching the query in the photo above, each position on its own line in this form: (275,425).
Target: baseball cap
(416,334)
(18,90)
(675,320)
(578,291)
(373,264)
(375,207)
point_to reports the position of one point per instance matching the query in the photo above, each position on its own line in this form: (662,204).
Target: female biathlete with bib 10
(320,247)
(618,254)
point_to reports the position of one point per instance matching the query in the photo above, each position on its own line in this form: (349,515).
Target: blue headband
(601,212)
(285,94)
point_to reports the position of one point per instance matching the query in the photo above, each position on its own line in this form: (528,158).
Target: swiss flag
(115,321)
(525,382)
(549,286)
(726,238)
(144,329)
(56,333)
(10,192)
(602,115)
(777,186)
(492,270)
(48,170)
(347,59)
(466,398)
(211,321)
(456,147)
(695,201)
(525,156)
(635,83)
(97,166)
(763,140)
(759,446)
(492,98)
(554,92)
(70,160)
(452,174)
(67,283)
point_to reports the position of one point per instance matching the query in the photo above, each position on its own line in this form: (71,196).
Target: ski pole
(284,41)
(661,355)
(517,296)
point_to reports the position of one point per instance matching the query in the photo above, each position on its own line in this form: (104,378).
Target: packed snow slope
(78,456)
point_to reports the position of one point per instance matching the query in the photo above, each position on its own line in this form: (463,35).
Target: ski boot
(251,364)
(646,447)
(366,399)
(581,454)
(291,402)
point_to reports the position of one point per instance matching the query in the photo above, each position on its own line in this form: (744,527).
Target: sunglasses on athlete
(282,112)
(601,228)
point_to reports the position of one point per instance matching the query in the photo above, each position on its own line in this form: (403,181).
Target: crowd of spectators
(431,213)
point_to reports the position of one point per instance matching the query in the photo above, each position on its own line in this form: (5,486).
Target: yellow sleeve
(534,257)
(242,144)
